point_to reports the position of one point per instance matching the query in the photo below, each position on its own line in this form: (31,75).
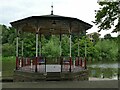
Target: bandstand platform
(50,72)
(36,69)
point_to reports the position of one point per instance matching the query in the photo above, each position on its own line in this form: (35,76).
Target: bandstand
(38,68)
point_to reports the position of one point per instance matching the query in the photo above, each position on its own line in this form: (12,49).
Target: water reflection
(113,65)
(104,71)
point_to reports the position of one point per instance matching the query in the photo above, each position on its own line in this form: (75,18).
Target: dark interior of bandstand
(50,25)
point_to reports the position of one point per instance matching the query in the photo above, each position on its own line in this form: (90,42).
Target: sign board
(53,68)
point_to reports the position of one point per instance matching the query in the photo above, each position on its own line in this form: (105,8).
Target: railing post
(74,64)
(17,61)
(45,64)
(81,62)
(78,61)
(20,64)
(70,63)
(85,63)
(22,52)
(61,59)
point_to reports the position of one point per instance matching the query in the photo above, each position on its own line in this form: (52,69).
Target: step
(51,76)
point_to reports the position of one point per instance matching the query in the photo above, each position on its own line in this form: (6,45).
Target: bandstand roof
(54,24)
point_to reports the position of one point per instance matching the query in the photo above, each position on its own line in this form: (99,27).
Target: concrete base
(20,76)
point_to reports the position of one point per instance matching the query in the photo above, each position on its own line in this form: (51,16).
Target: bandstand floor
(48,72)
(41,68)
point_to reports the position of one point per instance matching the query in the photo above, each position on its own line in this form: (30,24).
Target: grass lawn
(8,66)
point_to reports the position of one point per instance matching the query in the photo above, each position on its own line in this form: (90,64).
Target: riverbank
(100,79)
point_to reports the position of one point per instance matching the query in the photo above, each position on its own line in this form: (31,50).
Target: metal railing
(29,64)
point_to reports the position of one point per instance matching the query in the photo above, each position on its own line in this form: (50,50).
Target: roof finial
(52,9)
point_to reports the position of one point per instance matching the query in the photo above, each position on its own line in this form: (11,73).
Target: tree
(8,41)
(90,49)
(8,49)
(29,45)
(107,36)
(118,42)
(51,48)
(95,37)
(5,34)
(107,50)
(107,15)
(65,45)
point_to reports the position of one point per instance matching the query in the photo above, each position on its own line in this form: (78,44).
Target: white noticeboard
(53,68)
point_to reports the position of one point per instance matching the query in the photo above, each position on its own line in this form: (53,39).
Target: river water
(104,70)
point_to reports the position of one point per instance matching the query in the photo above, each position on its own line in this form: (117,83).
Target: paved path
(63,84)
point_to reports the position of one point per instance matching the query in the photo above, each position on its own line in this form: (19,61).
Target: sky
(12,10)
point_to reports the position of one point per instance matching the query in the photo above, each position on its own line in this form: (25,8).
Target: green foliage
(8,49)
(5,34)
(104,50)
(107,15)
(8,35)
(65,45)
(118,42)
(95,38)
(8,44)
(107,36)
(8,66)
(29,45)
(107,50)
(51,49)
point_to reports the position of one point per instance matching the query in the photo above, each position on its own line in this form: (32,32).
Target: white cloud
(16,9)
(12,10)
